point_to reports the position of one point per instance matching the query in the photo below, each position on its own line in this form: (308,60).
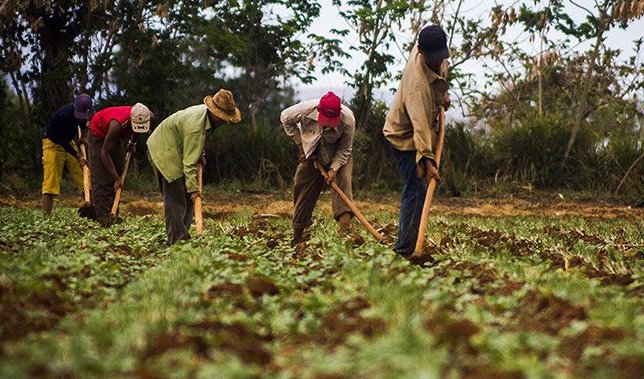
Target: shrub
(534,153)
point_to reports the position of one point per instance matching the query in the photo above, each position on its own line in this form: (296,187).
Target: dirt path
(219,204)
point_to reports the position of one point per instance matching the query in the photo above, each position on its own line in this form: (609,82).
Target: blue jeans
(411,201)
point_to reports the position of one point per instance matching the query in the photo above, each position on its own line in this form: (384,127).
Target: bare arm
(110,142)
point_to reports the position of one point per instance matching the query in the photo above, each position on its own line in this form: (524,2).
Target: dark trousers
(178,209)
(308,183)
(102,194)
(411,201)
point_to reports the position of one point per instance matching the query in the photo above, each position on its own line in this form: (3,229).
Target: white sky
(330,18)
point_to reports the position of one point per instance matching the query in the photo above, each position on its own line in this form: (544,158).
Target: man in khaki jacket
(323,131)
(411,128)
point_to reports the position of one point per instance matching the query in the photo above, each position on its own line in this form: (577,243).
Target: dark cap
(432,40)
(83,107)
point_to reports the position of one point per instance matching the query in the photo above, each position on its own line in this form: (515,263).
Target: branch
(630,168)
(581,7)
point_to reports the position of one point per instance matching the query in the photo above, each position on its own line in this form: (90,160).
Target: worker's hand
(195,195)
(118,184)
(301,157)
(202,160)
(330,176)
(431,171)
(427,169)
(446,101)
(82,161)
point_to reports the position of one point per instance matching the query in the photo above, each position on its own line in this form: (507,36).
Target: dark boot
(297,237)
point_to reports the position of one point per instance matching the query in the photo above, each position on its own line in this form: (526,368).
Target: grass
(508,296)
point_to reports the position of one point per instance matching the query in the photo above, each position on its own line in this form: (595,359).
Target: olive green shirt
(177,144)
(411,122)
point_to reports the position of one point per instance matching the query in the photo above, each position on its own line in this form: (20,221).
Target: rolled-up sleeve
(290,118)
(193,145)
(422,111)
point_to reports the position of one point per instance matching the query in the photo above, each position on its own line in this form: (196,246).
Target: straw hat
(223,106)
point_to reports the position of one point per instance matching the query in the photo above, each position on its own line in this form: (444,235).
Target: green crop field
(508,296)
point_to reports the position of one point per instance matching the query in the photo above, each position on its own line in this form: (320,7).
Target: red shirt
(100,123)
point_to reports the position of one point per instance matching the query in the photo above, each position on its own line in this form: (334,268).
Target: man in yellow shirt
(58,150)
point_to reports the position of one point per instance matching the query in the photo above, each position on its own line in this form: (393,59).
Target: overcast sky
(330,18)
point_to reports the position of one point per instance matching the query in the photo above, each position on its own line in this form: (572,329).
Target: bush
(534,153)
(467,159)
(266,158)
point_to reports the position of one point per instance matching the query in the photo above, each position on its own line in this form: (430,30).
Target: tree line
(568,116)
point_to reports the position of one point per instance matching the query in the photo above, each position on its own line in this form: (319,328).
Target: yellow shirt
(411,122)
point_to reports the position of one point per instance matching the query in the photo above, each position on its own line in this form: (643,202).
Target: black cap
(432,40)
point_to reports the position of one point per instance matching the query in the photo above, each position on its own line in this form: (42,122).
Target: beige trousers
(308,183)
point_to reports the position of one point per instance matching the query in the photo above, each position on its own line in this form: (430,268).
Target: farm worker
(323,130)
(411,128)
(108,131)
(58,150)
(175,149)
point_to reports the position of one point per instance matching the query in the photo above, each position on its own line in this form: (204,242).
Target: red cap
(329,110)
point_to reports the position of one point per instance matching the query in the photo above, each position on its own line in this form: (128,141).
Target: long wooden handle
(117,195)
(429,196)
(198,204)
(86,177)
(351,206)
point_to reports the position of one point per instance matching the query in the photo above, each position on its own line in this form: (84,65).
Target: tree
(265,45)
(600,19)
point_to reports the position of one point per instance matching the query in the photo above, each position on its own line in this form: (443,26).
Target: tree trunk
(582,106)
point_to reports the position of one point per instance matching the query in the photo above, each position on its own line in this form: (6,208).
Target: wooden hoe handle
(198,203)
(429,196)
(117,195)
(379,237)
(86,177)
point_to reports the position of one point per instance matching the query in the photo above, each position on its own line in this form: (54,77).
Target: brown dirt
(489,372)
(573,347)
(346,319)
(203,335)
(248,345)
(539,312)
(217,203)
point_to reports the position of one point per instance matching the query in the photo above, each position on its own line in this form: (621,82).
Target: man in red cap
(411,128)
(323,131)
(109,128)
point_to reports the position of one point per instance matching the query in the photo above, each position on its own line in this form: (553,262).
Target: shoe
(297,237)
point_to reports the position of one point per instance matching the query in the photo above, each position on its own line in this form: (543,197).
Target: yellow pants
(54,158)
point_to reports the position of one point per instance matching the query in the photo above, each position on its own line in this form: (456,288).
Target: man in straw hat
(58,150)
(323,130)
(411,128)
(108,131)
(175,149)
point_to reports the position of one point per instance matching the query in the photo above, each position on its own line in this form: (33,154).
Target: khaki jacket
(300,122)
(411,122)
